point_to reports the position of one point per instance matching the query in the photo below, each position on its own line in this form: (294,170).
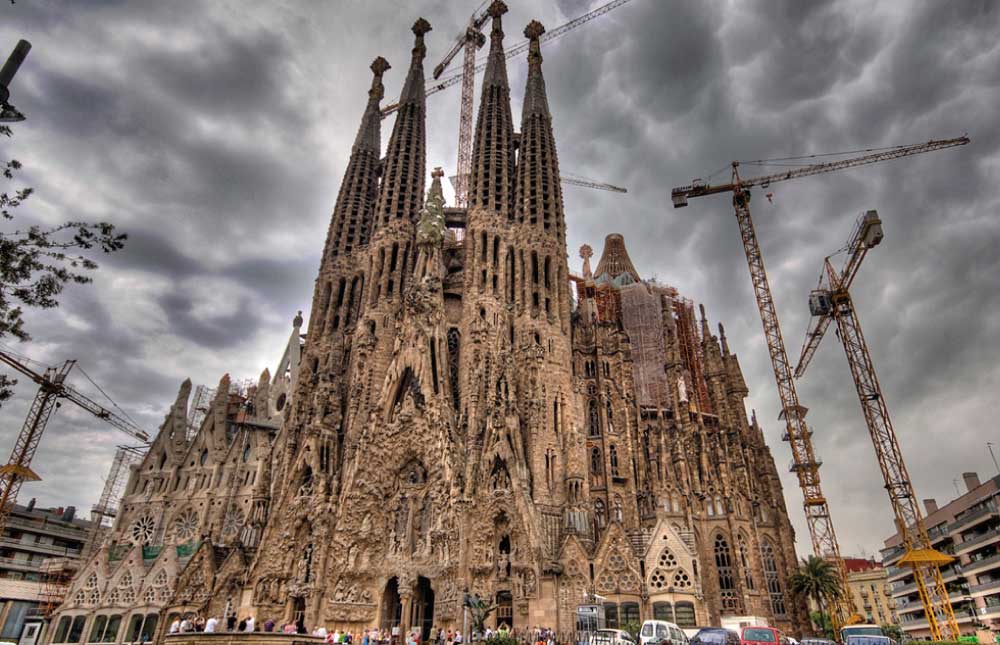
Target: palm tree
(816,579)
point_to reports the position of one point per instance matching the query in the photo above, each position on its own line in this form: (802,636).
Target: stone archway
(422,613)
(392,606)
(505,609)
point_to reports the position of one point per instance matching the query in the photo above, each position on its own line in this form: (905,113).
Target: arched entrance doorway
(392,608)
(505,609)
(298,610)
(423,608)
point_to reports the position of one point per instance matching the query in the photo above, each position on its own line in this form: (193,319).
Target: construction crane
(468,42)
(831,300)
(566,178)
(805,465)
(52,388)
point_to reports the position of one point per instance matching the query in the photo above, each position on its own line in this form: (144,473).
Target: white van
(660,631)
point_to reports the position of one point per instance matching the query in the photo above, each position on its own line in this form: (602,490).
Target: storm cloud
(215,134)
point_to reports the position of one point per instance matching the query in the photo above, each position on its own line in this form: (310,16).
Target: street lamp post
(9,113)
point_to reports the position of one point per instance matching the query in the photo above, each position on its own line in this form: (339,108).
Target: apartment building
(40,548)
(868,582)
(968,528)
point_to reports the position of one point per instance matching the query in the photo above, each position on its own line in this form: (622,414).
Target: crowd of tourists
(371,636)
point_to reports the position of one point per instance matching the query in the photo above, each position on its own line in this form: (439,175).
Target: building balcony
(19,564)
(973,518)
(910,608)
(891,554)
(983,564)
(984,588)
(897,573)
(938,533)
(978,541)
(32,547)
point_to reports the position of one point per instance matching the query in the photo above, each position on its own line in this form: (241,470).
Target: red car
(760,636)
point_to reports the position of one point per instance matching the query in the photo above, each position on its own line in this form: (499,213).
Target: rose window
(232,522)
(658,580)
(681,579)
(186,526)
(142,529)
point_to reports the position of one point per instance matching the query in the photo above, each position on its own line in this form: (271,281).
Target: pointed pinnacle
(379,66)
(534,30)
(421,27)
(497,8)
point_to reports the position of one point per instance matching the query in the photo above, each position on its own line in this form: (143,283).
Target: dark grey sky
(215,134)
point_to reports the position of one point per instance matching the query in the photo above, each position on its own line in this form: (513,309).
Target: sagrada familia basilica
(463,415)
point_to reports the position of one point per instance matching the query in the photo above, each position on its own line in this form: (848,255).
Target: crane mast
(805,464)
(832,301)
(52,388)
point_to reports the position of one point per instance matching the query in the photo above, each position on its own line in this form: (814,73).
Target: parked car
(816,641)
(715,636)
(655,632)
(760,636)
(611,637)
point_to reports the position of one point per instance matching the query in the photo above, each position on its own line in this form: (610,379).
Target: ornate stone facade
(462,423)
(192,511)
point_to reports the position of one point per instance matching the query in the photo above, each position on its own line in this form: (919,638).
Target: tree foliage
(36,262)
(479,611)
(816,579)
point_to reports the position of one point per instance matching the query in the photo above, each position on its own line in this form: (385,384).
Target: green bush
(501,640)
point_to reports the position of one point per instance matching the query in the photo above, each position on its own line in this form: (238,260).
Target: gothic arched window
(772,579)
(600,514)
(613,451)
(595,460)
(741,546)
(727,580)
(617,508)
(594,419)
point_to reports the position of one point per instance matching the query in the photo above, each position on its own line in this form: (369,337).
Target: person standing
(211,625)
(269,625)
(175,626)
(231,622)
(249,625)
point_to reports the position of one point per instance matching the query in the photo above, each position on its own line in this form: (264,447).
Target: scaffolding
(203,397)
(57,573)
(104,512)
(642,319)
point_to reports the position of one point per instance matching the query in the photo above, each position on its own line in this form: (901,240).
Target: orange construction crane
(805,465)
(52,388)
(468,42)
(831,300)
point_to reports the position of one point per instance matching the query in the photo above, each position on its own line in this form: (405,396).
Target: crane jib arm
(680,195)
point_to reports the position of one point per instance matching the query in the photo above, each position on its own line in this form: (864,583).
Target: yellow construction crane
(52,388)
(468,42)
(805,465)
(831,300)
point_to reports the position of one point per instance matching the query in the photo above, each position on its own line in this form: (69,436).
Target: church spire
(538,195)
(491,183)
(402,189)
(369,134)
(352,215)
